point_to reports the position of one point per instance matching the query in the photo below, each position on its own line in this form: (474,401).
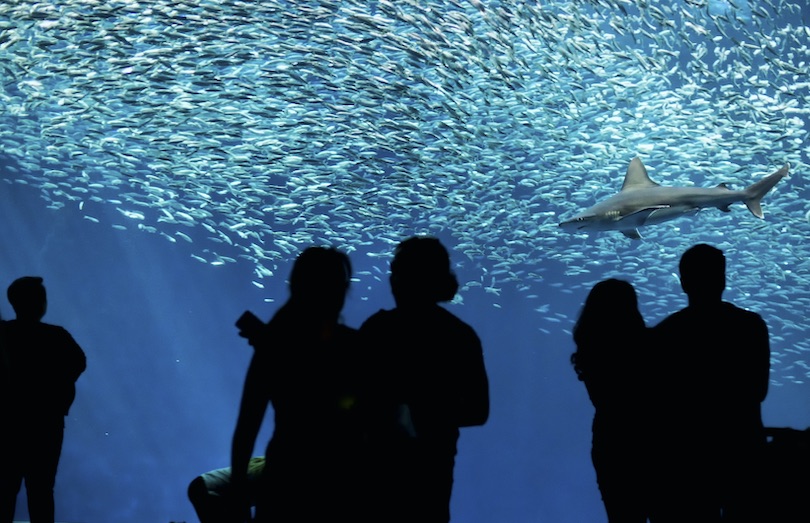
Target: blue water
(158,402)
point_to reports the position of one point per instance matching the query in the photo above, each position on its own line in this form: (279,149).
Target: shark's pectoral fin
(632,234)
(641,216)
(658,214)
(724,208)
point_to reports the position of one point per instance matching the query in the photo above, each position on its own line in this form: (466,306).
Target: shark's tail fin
(756,191)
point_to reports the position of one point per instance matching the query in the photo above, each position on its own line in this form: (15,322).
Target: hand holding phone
(249,325)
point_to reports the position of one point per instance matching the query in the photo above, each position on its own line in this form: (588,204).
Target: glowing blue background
(158,402)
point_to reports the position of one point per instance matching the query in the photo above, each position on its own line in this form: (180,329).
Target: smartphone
(248,323)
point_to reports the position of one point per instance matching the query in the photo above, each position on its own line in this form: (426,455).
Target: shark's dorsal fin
(721,185)
(636,177)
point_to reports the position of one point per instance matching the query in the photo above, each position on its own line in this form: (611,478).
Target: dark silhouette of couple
(366,421)
(677,430)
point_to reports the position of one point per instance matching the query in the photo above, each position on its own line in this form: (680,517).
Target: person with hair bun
(427,379)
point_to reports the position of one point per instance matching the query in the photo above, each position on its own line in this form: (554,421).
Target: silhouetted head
(611,304)
(319,281)
(609,315)
(27,296)
(420,272)
(703,274)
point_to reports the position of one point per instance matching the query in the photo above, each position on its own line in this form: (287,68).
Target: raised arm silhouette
(304,365)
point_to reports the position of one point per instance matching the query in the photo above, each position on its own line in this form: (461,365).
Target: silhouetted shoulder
(380,325)
(45,362)
(668,323)
(731,309)
(381,317)
(434,322)
(457,328)
(378,328)
(424,315)
(718,315)
(45,339)
(71,354)
(444,315)
(673,325)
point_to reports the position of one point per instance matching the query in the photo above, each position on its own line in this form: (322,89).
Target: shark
(642,202)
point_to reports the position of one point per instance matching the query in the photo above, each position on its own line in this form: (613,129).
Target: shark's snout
(574,224)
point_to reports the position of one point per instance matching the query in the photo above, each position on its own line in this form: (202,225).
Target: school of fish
(255,128)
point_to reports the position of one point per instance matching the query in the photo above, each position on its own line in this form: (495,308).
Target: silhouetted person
(304,364)
(41,365)
(611,361)
(713,363)
(428,379)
